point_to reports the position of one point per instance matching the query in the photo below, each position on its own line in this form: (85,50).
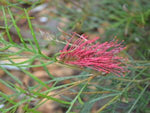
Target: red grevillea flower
(87,53)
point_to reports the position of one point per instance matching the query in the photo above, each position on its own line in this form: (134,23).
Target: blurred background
(128,20)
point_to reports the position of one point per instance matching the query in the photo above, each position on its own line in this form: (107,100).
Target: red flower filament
(87,53)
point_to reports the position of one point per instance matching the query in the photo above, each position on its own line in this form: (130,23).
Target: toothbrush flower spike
(92,54)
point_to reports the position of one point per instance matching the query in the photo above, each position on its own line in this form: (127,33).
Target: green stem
(137,81)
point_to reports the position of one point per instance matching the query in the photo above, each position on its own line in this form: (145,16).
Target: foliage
(88,90)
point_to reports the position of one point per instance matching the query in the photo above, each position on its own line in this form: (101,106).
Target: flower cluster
(98,56)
